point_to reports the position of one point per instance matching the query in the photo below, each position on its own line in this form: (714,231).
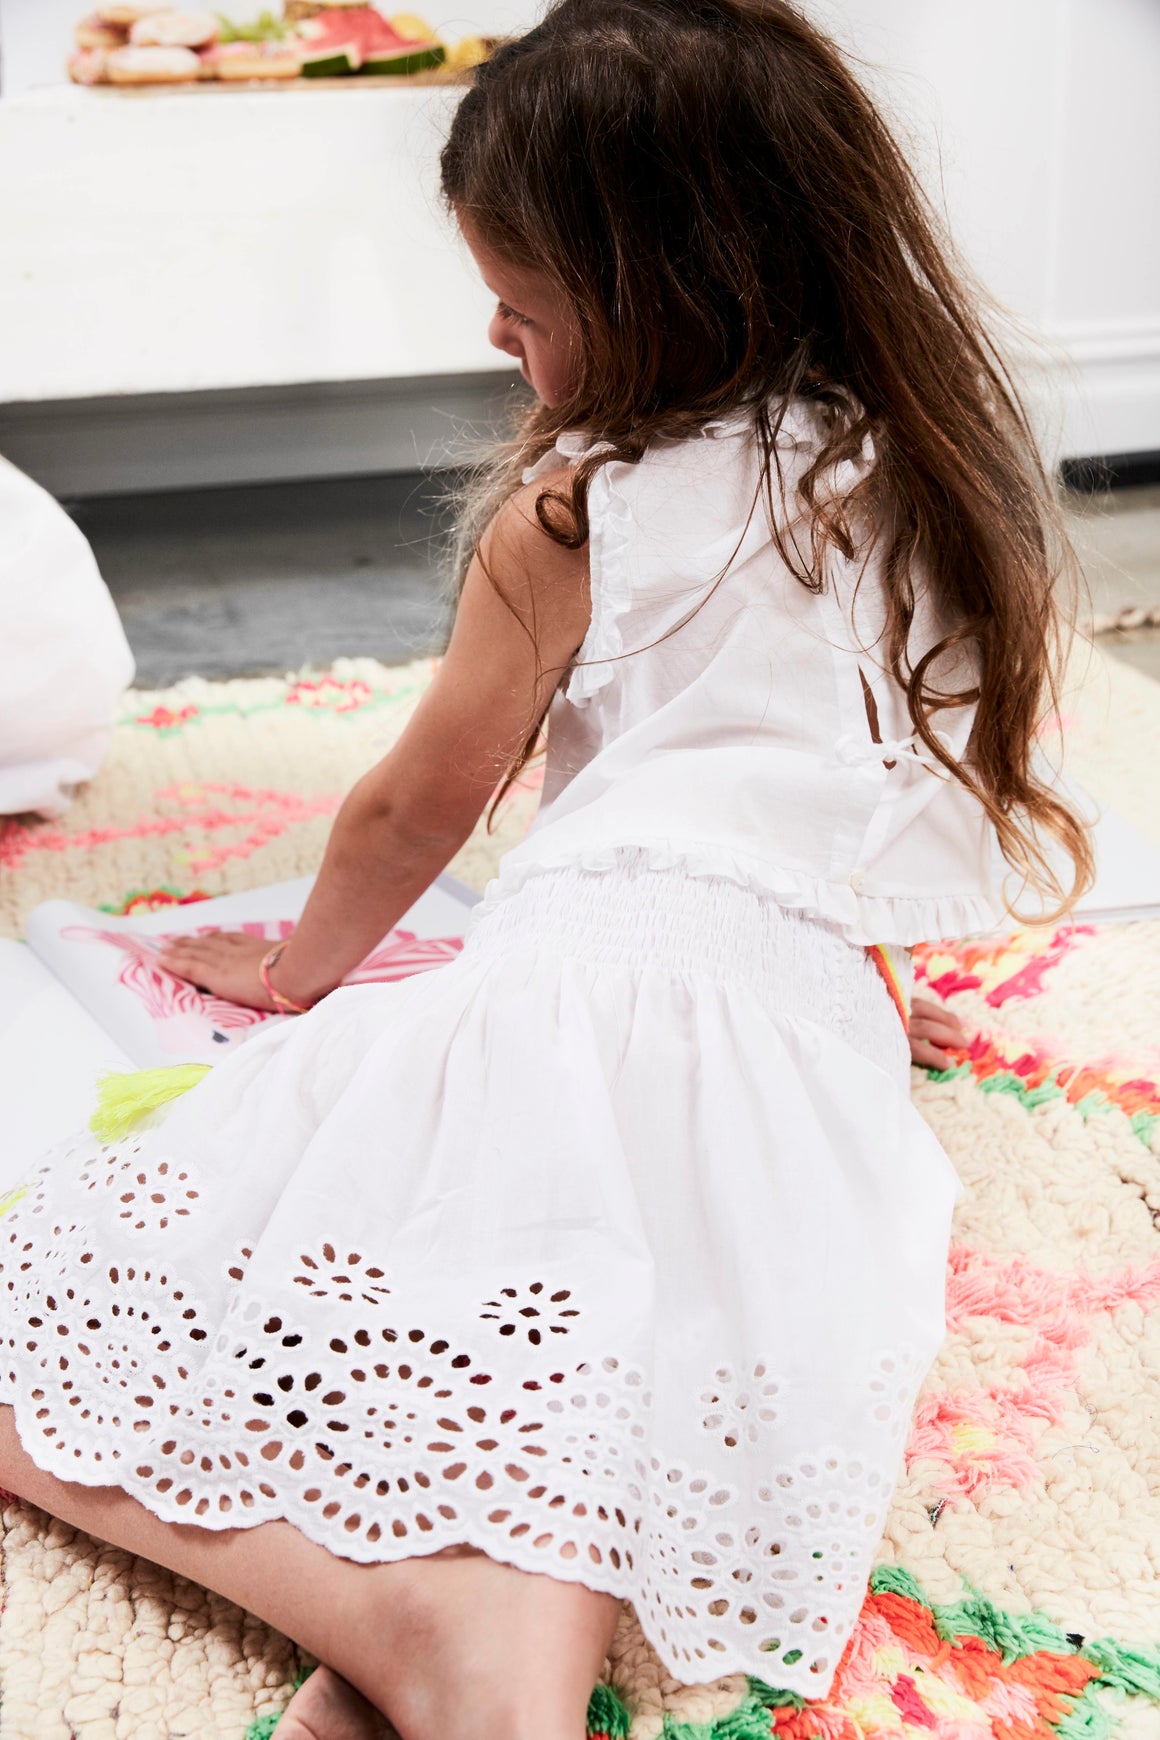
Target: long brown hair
(733,227)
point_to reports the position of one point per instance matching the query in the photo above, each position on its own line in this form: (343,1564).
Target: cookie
(89,66)
(175,30)
(129,11)
(256,60)
(153,66)
(91,32)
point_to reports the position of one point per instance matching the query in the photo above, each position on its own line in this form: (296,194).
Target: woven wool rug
(1018,1589)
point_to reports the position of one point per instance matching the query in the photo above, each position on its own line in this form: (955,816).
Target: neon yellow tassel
(123,1099)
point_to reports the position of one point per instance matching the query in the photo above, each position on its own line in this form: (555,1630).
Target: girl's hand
(224,963)
(932,1027)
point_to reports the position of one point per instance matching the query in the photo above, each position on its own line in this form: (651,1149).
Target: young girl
(607,1261)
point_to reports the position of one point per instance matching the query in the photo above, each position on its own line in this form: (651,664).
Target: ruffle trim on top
(864,919)
(611,529)
(610,532)
(611,525)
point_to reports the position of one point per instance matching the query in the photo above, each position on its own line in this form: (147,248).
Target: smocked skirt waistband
(647,920)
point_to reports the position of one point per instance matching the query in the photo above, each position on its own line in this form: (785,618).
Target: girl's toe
(326,1707)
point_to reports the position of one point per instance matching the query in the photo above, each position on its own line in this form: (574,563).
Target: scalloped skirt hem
(613,1247)
(711,1664)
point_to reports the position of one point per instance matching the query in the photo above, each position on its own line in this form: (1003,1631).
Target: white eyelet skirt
(614,1248)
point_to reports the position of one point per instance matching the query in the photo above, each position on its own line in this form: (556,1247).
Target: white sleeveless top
(741,746)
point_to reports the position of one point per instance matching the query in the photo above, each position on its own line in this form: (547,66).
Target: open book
(87,993)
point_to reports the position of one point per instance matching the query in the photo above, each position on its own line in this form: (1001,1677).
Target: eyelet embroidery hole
(542,1313)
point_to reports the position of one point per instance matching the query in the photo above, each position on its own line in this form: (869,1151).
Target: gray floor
(235,582)
(1117,536)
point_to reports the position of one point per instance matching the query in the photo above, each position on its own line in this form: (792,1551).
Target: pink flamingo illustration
(403,953)
(184,1017)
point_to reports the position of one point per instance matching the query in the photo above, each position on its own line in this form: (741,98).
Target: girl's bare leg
(449,1647)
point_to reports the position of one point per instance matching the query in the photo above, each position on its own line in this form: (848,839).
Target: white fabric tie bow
(855,751)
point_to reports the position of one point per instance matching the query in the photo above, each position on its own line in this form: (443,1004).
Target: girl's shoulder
(524,563)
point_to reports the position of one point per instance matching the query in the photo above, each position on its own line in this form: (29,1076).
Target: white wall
(1036,124)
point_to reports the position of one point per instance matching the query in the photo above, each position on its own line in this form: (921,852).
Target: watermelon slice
(344,39)
(332,61)
(409,57)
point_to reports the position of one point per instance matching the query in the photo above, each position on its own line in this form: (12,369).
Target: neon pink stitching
(267,813)
(974,963)
(986,1438)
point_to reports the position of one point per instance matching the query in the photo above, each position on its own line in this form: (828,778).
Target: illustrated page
(112,966)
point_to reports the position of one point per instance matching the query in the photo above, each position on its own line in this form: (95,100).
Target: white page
(1127,881)
(51,1055)
(112,967)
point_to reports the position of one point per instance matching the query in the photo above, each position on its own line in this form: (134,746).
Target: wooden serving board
(351,82)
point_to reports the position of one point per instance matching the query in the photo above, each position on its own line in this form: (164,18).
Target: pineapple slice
(412,28)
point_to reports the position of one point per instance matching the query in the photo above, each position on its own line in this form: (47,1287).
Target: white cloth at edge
(741,746)
(614,1248)
(66,659)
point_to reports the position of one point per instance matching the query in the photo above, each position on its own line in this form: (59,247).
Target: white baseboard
(1097,390)
(1102,398)
(112,446)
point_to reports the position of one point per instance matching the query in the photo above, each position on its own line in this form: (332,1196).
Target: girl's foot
(325,1707)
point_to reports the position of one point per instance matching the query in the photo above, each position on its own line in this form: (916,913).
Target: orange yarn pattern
(917,1671)
(1015,969)
(912,1669)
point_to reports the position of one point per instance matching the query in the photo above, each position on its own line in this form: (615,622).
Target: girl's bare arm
(403,821)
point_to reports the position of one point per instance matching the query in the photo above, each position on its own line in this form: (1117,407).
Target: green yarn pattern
(263,1727)
(607,1714)
(749,1721)
(1088,1719)
(1123,1672)
(1005,1081)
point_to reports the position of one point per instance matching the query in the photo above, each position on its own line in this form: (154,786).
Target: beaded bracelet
(286,1004)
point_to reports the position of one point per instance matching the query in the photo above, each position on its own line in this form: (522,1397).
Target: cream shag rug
(1018,1589)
